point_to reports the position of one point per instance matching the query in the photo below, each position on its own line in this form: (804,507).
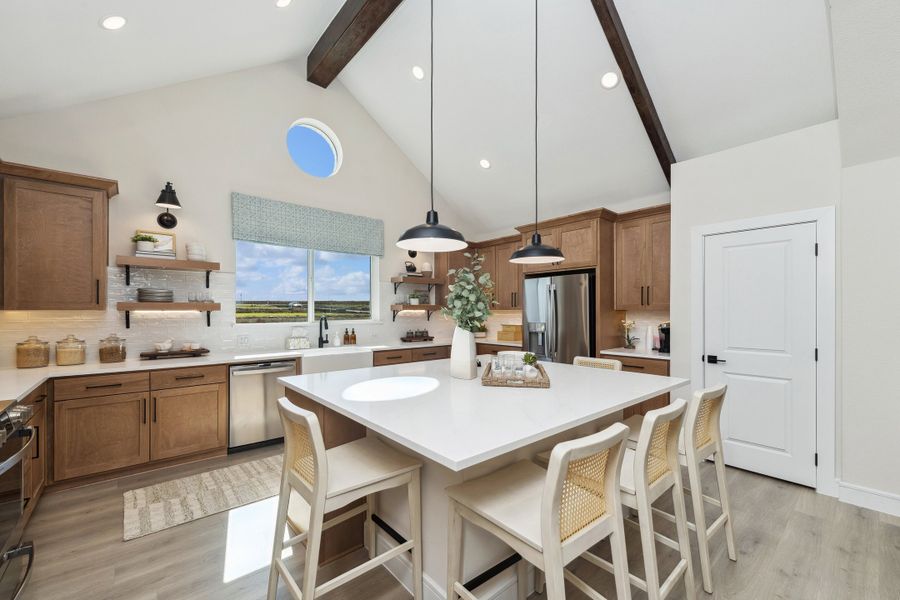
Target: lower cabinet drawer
(641,365)
(100,385)
(430,353)
(391,357)
(94,435)
(175,378)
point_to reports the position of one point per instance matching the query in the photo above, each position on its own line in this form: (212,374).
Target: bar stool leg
(620,560)
(521,579)
(284,497)
(413,490)
(648,545)
(684,541)
(313,543)
(371,531)
(454,551)
(693,470)
(555,580)
(726,504)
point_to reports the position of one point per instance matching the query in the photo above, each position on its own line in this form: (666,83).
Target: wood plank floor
(791,542)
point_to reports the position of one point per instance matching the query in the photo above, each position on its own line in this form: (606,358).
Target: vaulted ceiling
(720,73)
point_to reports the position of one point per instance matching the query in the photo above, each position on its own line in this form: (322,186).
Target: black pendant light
(432,236)
(167,199)
(536,252)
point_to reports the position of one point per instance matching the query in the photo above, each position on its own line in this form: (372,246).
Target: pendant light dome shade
(536,253)
(432,237)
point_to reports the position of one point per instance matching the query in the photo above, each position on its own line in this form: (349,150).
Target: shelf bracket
(208,319)
(127,319)
(394,315)
(127,275)
(396,287)
(428,315)
(207,279)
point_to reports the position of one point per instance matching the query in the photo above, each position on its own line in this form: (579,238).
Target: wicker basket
(541,381)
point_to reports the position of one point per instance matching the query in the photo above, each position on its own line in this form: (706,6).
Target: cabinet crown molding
(110,186)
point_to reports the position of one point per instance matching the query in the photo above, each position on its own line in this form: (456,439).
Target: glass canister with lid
(112,349)
(70,351)
(33,352)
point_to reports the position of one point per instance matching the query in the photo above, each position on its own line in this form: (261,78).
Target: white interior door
(760,340)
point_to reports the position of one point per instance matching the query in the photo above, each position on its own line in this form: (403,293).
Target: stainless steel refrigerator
(559,316)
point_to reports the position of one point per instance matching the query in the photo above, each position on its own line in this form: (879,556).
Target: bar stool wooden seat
(702,428)
(648,472)
(316,481)
(549,517)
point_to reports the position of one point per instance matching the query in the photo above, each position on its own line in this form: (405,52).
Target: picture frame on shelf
(165,241)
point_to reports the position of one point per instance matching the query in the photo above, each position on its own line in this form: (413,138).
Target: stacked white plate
(155,295)
(196,251)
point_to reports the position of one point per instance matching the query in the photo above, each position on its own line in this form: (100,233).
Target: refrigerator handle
(552,318)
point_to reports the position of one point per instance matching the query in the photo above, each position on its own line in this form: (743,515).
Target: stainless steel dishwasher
(253,411)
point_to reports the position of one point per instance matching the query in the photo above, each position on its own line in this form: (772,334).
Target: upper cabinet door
(578,243)
(631,240)
(54,246)
(508,280)
(658,259)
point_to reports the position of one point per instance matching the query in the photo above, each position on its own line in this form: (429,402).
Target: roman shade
(267,221)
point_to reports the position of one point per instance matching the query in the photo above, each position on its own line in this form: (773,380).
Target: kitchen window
(280,284)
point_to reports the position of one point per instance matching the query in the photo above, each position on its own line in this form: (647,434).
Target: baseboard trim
(870,498)
(501,587)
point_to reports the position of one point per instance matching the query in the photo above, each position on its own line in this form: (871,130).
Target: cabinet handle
(98,291)
(642,295)
(145,411)
(40,398)
(648,295)
(154,409)
(180,377)
(429,353)
(634,367)
(102,385)
(393,357)
(37,442)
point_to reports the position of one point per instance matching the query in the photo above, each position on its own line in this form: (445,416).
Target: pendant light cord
(431,114)
(535,115)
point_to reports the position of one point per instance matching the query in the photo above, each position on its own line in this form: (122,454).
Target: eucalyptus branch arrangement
(469,298)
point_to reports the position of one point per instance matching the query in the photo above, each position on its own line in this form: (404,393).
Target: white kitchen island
(461,430)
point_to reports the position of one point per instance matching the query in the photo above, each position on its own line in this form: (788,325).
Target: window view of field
(274,284)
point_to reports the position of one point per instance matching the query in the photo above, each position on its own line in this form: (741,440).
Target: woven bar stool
(315,481)
(647,473)
(549,517)
(598,363)
(701,425)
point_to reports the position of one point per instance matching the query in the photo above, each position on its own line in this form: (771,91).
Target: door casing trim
(827,405)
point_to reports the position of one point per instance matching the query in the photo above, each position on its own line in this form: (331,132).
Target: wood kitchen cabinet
(507,278)
(188,420)
(650,366)
(93,435)
(55,239)
(34,466)
(642,260)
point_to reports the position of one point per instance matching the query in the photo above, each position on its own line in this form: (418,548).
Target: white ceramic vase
(462,355)
(145,246)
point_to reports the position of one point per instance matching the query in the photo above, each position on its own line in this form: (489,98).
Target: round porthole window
(314,148)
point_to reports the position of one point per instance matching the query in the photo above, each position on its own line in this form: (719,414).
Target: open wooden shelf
(429,281)
(428,308)
(146,262)
(128,307)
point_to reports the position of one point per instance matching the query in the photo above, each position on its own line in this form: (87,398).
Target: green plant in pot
(469,304)
(145,242)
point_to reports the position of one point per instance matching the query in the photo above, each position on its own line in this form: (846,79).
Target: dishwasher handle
(263,369)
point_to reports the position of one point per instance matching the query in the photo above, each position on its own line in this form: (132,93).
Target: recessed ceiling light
(282,3)
(485,163)
(418,72)
(113,23)
(609,80)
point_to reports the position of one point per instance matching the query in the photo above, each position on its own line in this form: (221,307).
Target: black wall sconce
(167,199)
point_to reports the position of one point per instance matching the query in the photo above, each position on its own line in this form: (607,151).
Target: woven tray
(158,354)
(541,381)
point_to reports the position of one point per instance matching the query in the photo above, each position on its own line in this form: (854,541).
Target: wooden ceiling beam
(631,73)
(348,32)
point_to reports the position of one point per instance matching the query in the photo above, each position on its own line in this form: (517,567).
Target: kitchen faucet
(323,322)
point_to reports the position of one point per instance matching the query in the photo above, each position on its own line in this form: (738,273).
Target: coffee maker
(664,338)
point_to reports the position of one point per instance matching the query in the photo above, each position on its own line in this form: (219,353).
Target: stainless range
(16,556)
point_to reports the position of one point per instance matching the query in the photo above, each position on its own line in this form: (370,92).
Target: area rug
(164,505)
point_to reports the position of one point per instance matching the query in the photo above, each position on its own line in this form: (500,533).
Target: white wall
(211,137)
(871,328)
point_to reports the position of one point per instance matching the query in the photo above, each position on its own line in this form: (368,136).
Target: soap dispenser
(346,337)
(353,336)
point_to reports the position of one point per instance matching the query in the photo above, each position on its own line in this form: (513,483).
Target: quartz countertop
(636,353)
(15,384)
(498,342)
(460,423)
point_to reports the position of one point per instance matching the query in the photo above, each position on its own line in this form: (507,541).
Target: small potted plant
(145,243)
(630,340)
(468,303)
(530,360)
